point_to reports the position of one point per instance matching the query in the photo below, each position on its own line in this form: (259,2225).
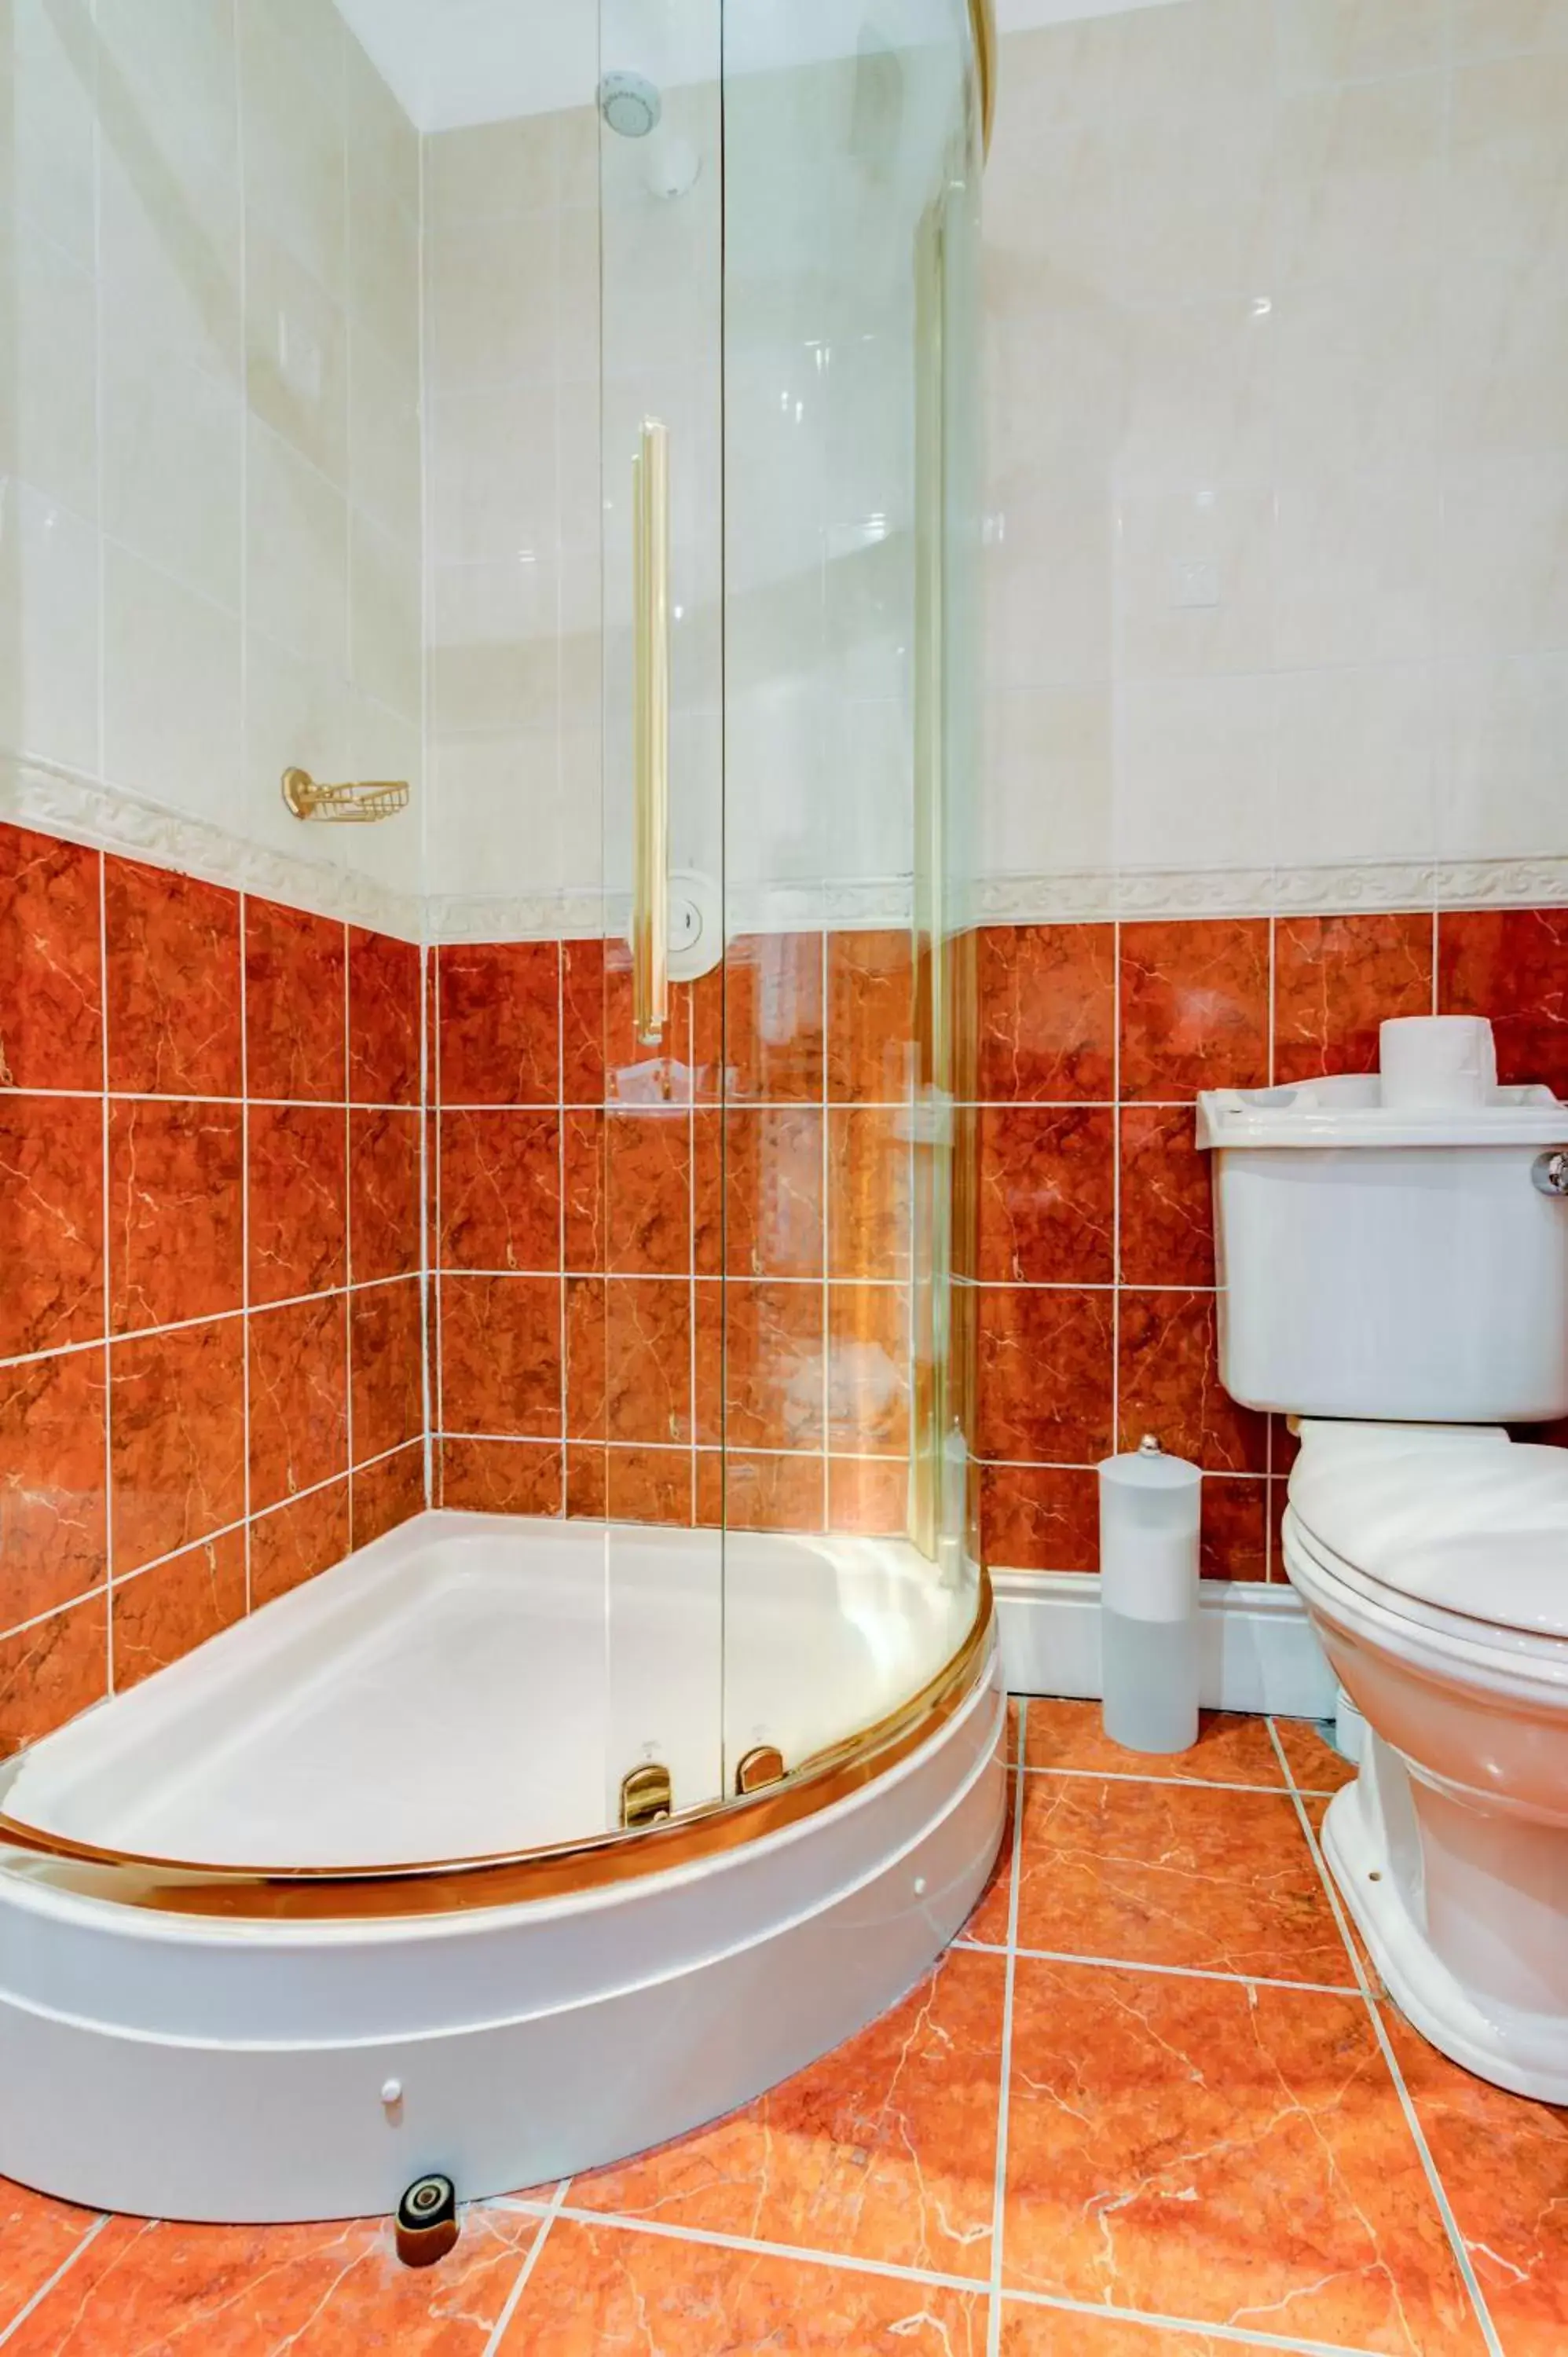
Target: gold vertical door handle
(650,693)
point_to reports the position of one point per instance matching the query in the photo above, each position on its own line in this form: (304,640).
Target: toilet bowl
(1434,1566)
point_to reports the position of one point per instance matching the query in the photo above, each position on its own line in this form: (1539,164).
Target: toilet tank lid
(1456,1516)
(1346,1109)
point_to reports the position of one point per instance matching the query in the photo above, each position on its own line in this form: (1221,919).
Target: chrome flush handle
(1549,1171)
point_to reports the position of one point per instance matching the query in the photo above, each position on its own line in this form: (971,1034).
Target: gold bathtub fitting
(650,735)
(982,15)
(347,805)
(763,1764)
(646,1796)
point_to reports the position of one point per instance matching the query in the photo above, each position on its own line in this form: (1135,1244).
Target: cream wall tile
(490,305)
(1194,773)
(296,548)
(291,91)
(385,619)
(1505,555)
(1194,575)
(1049,806)
(54,76)
(1355,774)
(385,459)
(491,168)
(48,399)
(171,266)
(495,820)
(1504,730)
(297,715)
(49,626)
(1504,354)
(171,690)
(493,477)
(1351,156)
(167,91)
(1358,376)
(1200,381)
(1506,196)
(494,660)
(296,340)
(173,439)
(1358,40)
(1355,558)
(1485,28)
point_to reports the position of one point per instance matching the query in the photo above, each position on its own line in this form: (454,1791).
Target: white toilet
(1395,1277)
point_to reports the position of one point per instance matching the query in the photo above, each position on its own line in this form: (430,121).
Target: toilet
(1393,1280)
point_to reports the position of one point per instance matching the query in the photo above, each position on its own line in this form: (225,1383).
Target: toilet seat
(1441,1524)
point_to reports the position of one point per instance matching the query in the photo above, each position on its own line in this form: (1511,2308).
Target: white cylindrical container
(1149,1506)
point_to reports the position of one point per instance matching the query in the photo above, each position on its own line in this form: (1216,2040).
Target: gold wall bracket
(348,805)
(763,1764)
(646,1797)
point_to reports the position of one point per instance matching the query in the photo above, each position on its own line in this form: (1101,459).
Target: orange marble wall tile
(53,1528)
(773,1046)
(1045,1374)
(1229,2153)
(869,1370)
(387,1493)
(256,2292)
(774,1345)
(500,1356)
(870,1183)
(163,1614)
(1336,979)
(1234,1528)
(177,1437)
(499,1023)
(1232,1747)
(648,1360)
(299,1397)
(755,1493)
(870,1018)
(176,1177)
(384,1182)
(869,1493)
(641,1071)
(1504,2165)
(51,1669)
(296,984)
(1166,1206)
(586,1351)
(597,2290)
(1047,1195)
(1176,1874)
(501,1191)
(583,1023)
(298,1200)
(647,1190)
(1039,1518)
(383,1020)
(582,1190)
(386,1368)
(51,1013)
(1169,1370)
(759,1191)
(588,1479)
(648,1485)
(51,1223)
(173,963)
(885,2149)
(293,1542)
(502,1476)
(1511,965)
(1047,1012)
(1195,1006)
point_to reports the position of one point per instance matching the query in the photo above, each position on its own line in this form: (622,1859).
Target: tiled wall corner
(211,1328)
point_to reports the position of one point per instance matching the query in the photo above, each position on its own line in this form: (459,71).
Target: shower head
(629,105)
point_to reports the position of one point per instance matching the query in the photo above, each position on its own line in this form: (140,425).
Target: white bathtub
(467,1686)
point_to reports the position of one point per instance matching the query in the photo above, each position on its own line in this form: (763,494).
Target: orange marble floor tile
(36,2235)
(1504,2166)
(1194,2148)
(1068,2332)
(605,2292)
(885,2149)
(1232,1747)
(1175,1874)
(1317,1807)
(1314,1764)
(145,2289)
(992,1915)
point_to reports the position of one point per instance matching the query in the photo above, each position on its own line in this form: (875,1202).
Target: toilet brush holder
(1149,1510)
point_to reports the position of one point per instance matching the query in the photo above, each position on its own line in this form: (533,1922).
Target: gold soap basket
(348,805)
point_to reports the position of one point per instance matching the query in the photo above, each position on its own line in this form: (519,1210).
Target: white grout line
(513,2299)
(48,2286)
(1128,1776)
(1456,2242)
(999,2194)
(1168,1972)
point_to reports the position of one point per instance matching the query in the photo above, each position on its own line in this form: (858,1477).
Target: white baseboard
(1259,1650)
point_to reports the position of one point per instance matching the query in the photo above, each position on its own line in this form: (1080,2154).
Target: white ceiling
(456,62)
